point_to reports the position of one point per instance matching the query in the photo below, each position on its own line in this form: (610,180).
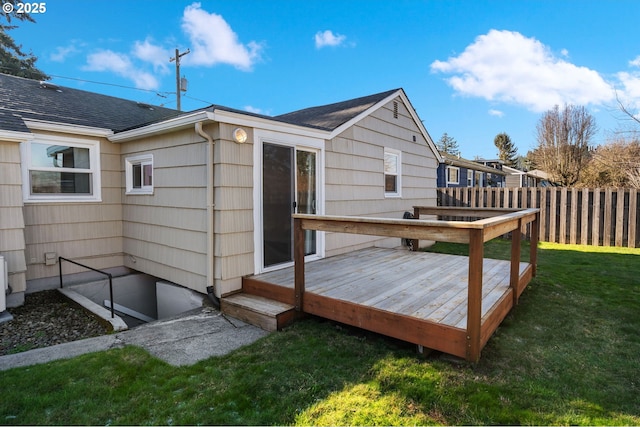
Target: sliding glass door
(289,185)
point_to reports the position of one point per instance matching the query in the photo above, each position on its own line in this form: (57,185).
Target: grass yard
(569,353)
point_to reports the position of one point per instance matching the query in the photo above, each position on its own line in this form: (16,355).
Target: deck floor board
(422,285)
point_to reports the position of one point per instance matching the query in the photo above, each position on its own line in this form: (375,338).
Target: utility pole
(177,59)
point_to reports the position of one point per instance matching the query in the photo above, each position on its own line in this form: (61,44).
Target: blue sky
(472,69)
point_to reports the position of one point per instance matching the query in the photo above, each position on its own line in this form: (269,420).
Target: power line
(110,84)
(199,100)
(157,93)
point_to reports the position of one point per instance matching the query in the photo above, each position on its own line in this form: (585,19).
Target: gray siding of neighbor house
(165,233)
(513,180)
(88,232)
(12,244)
(354,173)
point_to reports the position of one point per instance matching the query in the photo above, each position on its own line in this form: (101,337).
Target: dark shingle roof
(331,116)
(22,98)
(11,122)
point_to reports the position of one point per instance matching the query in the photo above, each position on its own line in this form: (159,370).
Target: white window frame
(94,169)
(299,142)
(448,172)
(142,160)
(470,177)
(398,174)
(478,178)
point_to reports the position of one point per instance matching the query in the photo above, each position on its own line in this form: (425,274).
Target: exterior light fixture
(239,135)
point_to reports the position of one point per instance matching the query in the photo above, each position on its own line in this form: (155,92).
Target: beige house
(518,178)
(200,198)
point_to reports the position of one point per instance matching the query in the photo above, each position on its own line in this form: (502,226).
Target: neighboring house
(455,171)
(198,198)
(534,178)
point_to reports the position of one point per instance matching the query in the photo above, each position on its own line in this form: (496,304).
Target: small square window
(139,174)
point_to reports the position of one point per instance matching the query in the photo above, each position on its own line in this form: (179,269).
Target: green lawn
(569,353)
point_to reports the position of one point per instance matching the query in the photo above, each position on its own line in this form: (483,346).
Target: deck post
(533,244)
(416,215)
(298,259)
(514,277)
(474,303)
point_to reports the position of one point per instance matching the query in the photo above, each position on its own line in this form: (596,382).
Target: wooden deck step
(265,313)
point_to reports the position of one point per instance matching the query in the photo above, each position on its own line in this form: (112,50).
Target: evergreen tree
(507,151)
(448,144)
(13,60)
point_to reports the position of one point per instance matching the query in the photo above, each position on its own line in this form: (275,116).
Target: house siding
(233,213)
(88,232)
(513,180)
(355,178)
(12,243)
(165,233)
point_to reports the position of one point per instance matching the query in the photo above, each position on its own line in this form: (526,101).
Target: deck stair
(265,313)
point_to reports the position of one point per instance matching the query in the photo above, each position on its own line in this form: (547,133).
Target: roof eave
(14,136)
(217,115)
(240,119)
(35,124)
(159,128)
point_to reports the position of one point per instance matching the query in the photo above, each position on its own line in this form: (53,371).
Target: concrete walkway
(183,340)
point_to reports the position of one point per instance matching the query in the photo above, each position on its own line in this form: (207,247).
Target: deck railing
(493,223)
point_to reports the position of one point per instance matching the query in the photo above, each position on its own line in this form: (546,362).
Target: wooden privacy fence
(597,217)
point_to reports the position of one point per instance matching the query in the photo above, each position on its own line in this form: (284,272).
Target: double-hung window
(392,173)
(139,174)
(59,169)
(453,175)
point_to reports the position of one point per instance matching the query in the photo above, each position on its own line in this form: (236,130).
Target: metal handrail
(60,259)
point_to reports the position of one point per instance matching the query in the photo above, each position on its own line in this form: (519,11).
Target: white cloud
(630,92)
(154,54)
(121,64)
(327,38)
(509,67)
(63,52)
(635,62)
(496,113)
(214,42)
(254,110)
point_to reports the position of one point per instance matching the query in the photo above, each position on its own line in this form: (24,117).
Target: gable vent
(395,110)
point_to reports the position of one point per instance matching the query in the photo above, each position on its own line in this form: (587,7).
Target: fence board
(563,216)
(584,219)
(619,216)
(633,203)
(598,217)
(573,223)
(553,214)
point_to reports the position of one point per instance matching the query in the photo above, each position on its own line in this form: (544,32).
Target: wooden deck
(448,303)
(426,286)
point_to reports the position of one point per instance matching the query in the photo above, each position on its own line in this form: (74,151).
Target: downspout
(211,291)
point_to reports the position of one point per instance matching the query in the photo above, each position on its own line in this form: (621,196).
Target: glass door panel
(306,193)
(277,204)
